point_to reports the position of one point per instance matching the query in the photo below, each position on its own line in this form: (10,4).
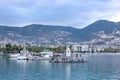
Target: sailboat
(23,54)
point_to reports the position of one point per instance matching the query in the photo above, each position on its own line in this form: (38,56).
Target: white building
(47,54)
(100,48)
(80,48)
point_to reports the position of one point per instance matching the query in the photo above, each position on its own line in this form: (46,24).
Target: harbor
(98,68)
(67,57)
(59,40)
(73,54)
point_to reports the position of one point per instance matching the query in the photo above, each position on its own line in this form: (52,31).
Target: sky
(75,13)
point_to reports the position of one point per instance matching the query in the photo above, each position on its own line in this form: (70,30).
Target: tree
(8,48)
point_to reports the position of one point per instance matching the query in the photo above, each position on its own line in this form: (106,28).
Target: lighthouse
(68,52)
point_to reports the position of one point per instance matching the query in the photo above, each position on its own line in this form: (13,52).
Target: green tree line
(16,49)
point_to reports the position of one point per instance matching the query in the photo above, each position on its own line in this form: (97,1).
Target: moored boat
(22,57)
(23,54)
(14,55)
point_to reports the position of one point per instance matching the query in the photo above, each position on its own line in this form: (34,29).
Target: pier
(69,57)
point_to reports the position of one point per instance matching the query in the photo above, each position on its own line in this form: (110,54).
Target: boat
(14,55)
(23,54)
(21,57)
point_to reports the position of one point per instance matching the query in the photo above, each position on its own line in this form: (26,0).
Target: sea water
(104,67)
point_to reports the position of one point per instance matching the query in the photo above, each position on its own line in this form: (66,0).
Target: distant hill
(90,32)
(99,32)
(102,32)
(40,34)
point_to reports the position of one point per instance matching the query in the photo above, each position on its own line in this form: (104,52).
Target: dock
(67,60)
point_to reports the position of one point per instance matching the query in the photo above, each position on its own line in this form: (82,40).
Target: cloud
(76,13)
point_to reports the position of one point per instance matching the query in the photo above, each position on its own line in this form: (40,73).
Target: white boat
(23,54)
(14,55)
(22,57)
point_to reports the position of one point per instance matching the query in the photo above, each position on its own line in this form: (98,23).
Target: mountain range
(99,32)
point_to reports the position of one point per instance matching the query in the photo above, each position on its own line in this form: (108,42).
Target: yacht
(23,54)
(14,55)
(22,57)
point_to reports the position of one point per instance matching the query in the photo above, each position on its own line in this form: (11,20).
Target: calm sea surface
(98,68)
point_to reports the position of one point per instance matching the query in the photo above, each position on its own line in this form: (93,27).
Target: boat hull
(14,55)
(22,57)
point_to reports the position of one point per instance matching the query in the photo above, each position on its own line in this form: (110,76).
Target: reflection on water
(22,64)
(46,64)
(68,71)
(98,68)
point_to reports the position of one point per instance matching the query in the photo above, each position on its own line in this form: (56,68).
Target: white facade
(47,54)
(100,48)
(80,48)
